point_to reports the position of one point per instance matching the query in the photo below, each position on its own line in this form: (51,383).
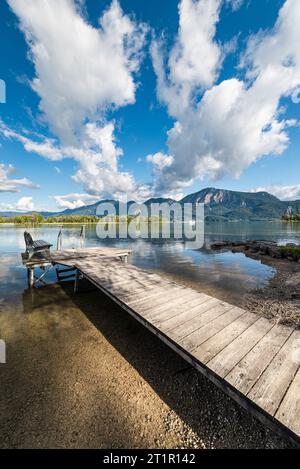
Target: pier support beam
(30,276)
(76,281)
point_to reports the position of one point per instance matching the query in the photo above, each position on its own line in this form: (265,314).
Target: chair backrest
(28,239)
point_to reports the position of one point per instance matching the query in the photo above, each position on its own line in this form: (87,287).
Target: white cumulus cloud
(24,204)
(160,160)
(74,200)
(235,4)
(10,184)
(81,72)
(46,147)
(227,127)
(97,158)
(195,58)
(283,192)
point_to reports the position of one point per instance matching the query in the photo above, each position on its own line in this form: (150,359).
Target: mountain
(234,199)
(220,205)
(159,200)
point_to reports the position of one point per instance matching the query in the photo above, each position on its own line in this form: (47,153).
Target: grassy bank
(290,251)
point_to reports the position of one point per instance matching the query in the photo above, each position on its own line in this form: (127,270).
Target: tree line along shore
(37,218)
(295,217)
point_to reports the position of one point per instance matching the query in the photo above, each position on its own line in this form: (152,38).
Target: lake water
(226,275)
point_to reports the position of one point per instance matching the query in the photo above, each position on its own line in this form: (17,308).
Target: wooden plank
(174,317)
(113,264)
(207,312)
(124,289)
(225,361)
(127,289)
(143,290)
(119,268)
(157,296)
(69,256)
(136,278)
(211,347)
(90,252)
(172,307)
(117,273)
(289,410)
(221,316)
(116,282)
(162,297)
(104,275)
(157,291)
(186,318)
(273,384)
(119,283)
(119,276)
(249,369)
(168,296)
(108,279)
(112,281)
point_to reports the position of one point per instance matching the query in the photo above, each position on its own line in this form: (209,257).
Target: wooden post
(76,281)
(30,276)
(82,236)
(59,240)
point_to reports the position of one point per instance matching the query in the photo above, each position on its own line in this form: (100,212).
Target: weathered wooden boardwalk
(252,359)
(66,257)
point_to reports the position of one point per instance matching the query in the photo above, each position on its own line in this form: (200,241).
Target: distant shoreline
(70,223)
(160,221)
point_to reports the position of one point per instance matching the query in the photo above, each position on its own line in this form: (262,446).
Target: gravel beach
(279,300)
(81,373)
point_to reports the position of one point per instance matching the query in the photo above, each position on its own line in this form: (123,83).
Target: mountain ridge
(220,205)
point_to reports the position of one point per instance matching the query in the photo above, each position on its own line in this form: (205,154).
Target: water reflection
(226,275)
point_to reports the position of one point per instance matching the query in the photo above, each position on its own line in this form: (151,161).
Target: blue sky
(156,98)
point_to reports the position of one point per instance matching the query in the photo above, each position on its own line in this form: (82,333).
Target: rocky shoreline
(279,300)
(290,251)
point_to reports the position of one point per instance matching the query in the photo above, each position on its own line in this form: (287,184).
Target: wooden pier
(66,257)
(250,358)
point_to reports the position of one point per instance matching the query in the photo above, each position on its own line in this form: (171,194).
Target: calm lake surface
(226,275)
